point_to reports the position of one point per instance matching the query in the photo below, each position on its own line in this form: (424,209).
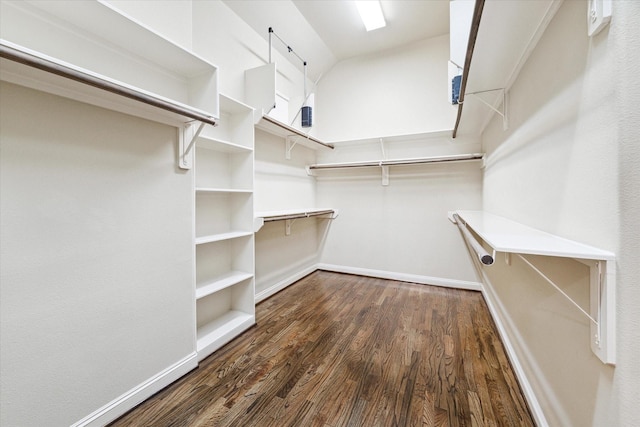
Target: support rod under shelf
(399,162)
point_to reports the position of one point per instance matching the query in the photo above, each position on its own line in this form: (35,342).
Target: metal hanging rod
(399,162)
(297,215)
(34,59)
(482,254)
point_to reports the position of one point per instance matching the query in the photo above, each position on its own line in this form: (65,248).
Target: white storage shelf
(510,237)
(504,235)
(112,47)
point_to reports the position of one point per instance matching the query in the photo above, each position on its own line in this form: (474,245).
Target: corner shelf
(510,237)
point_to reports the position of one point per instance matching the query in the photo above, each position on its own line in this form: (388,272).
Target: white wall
(558,169)
(95,255)
(402,91)
(401,228)
(172,20)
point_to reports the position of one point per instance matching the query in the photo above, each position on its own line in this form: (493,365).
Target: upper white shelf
(504,235)
(499,53)
(93,39)
(292,214)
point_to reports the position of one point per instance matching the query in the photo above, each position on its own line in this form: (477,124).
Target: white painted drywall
(402,227)
(171,18)
(402,91)
(561,167)
(95,255)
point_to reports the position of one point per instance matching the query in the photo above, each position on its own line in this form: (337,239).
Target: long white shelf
(212,190)
(221,282)
(510,237)
(504,235)
(289,215)
(217,333)
(398,162)
(275,127)
(221,236)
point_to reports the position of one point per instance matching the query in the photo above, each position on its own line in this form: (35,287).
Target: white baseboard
(403,277)
(496,313)
(262,295)
(135,396)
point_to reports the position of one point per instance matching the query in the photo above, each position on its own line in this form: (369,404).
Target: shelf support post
(385,175)
(187,137)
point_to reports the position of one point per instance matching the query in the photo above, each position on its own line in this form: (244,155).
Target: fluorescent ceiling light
(371,14)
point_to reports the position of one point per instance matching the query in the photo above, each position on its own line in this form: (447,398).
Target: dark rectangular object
(307,120)
(455,89)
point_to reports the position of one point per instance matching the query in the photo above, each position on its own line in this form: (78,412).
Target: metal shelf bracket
(505,110)
(187,136)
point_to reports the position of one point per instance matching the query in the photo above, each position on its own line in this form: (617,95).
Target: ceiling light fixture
(371,14)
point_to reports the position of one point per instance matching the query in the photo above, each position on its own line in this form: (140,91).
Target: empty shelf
(217,333)
(221,282)
(293,214)
(275,127)
(504,235)
(222,236)
(399,162)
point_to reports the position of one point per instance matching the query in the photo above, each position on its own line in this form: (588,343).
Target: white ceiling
(324,32)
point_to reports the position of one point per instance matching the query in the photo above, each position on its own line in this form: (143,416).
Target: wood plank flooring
(342,350)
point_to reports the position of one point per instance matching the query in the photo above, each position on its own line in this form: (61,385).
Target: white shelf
(221,145)
(221,282)
(499,53)
(399,162)
(220,331)
(112,47)
(510,237)
(504,235)
(222,236)
(204,190)
(293,214)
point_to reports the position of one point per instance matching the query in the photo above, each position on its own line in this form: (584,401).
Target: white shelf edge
(293,213)
(217,333)
(211,190)
(221,237)
(222,145)
(505,235)
(231,105)
(221,282)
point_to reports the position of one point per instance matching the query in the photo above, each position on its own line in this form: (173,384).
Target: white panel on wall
(96,256)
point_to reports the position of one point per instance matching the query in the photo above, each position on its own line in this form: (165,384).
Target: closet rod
(483,255)
(32,59)
(410,161)
(296,132)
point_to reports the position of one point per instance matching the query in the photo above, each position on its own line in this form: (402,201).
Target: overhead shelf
(495,56)
(510,237)
(398,162)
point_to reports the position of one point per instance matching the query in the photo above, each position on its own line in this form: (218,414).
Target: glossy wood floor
(342,350)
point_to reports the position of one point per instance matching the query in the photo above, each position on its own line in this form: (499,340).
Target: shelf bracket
(187,136)
(289,144)
(385,175)
(504,113)
(287,226)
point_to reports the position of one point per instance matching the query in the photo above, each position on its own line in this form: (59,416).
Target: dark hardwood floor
(342,350)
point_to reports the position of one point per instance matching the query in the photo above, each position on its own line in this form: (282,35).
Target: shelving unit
(510,237)
(224,239)
(290,215)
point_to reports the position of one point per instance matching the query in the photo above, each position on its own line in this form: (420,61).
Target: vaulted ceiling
(324,32)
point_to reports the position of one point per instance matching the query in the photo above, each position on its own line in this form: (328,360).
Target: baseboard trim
(135,396)
(403,277)
(273,289)
(496,313)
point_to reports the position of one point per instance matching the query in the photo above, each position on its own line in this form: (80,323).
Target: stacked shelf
(224,241)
